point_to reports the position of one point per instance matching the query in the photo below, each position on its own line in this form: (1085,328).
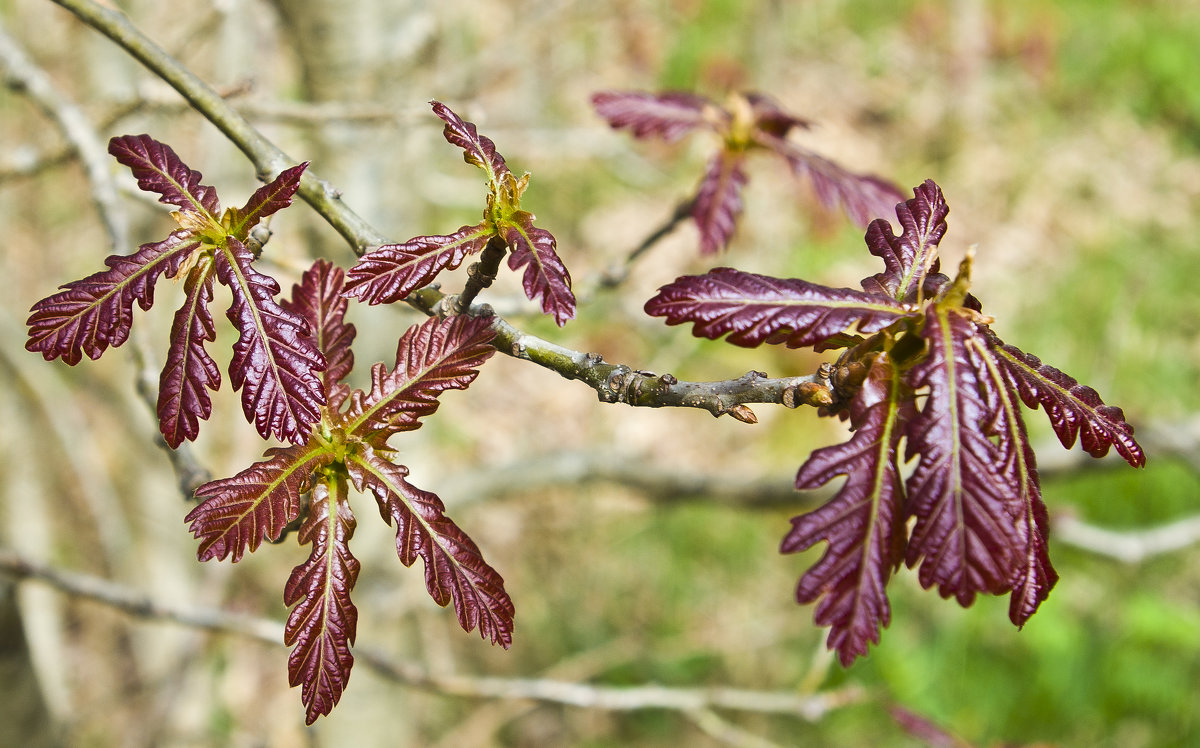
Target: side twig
(614,383)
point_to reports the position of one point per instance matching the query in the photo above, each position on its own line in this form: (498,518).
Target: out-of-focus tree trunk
(24,717)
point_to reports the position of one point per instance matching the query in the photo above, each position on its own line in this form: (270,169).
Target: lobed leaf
(770,118)
(546,278)
(432,357)
(911,257)
(1036,575)
(967,512)
(322,626)
(718,201)
(754,309)
(1073,409)
(477,149)
(190,372)
(236,514)
(669,115)
(455,570)
(863,523)
(90,315)
(275,360)
(862,196)
(393,271)
(318,299)
(158,169)
(267,200)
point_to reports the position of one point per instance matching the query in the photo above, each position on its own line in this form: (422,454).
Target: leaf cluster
(391,272)
(349,446)
(275,363)
(922,378)
(749,122)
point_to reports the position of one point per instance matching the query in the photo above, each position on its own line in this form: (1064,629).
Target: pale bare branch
(584,695)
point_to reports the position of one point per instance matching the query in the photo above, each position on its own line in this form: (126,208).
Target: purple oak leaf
(90,315)
(190,372)
(863,523)
(669,115)
(967,536)
(237,514)
(318,299)
(455,570)
(546,278)
(754,309)
(431,358)
(275,360)
(391,272)
(718,201)
(158,169)
(322,625)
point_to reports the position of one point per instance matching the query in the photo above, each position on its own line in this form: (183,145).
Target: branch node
(742,412)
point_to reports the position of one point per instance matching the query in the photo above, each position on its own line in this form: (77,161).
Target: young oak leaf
(158,169)
(718,201)
(864,522)
(478,149)
(318,299)
(237,514)
(1074,410)
(911,257)
(1036,575)
(274,360)
(392,271)
(545,278)
(752,121)
(669,115)
(967,536)
(90,315)
(266,201)
(323,623)
(454,567)
(190,372)
(431,358)
(754,309)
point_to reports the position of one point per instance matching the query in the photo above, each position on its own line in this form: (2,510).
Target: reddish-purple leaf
(159,170)
(863,196)
(756,309)
(322,626)
(236,514)
(190,372)
(968,513)
(669,115)
(267,200)
(1035,575)
(90,315)
(393,271)
(477,149)
(275,360)
(718,201)
(318,299)
(863,523)
(432,357)
(1073,409)
(911,257)
(455,570)
(770,118)
(546,278)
